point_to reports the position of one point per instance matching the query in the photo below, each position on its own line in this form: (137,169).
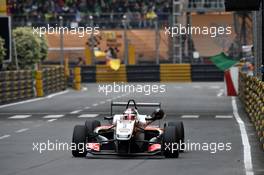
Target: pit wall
(251,93)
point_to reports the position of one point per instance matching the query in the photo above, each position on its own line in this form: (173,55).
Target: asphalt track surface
(207,115)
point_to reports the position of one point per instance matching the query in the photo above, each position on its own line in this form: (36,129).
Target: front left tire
(79,139)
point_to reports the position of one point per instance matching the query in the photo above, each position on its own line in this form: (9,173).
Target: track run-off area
(228,143)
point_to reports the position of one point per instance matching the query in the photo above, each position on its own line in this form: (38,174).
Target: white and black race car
(129,134)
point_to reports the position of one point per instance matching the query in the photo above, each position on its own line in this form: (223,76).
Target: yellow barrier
(77,78)
(105,74)
(88,56)
(251,93)
(66,68)
(39,84)
(175,72)
(131,55)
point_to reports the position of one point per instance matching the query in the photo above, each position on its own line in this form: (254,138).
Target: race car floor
(208,115)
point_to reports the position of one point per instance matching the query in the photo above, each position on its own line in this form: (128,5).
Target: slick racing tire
(79,139)
(170,145)
(90,125)
(180,130)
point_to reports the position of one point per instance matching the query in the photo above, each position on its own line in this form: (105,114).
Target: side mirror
(158,114)
(108,117)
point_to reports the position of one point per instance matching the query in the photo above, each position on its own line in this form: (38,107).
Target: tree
(2,50)
(30,48)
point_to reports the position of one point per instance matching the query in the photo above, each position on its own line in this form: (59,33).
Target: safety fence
(251,93)
(16,85)
(152,73)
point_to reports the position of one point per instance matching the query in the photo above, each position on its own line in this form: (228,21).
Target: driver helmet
(130,114)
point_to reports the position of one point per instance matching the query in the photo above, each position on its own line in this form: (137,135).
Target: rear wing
(113,104)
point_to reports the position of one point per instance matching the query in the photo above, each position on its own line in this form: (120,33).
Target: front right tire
(180,131)
(170,145)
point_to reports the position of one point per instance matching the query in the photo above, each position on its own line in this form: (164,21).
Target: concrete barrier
(143,73)
(175,73)
(206,73)
(105,74)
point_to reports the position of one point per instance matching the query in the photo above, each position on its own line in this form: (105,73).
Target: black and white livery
(129,134)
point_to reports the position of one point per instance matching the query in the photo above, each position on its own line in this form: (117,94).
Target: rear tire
(79,139)
(170,146)
(180,131)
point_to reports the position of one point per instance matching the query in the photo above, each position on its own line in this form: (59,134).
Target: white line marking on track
(214,87)
(245,141)
(53,116)
(197,87)
(75,112)
(51,120)
(88,115)
(33,100)
(19,116)
(84,88)
(220,93)
(4,136)
(56,94)
(190,116)
(223,116)
(95,104)
(22,102)
(21,130)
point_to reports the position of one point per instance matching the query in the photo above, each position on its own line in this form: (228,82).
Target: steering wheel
(134,103)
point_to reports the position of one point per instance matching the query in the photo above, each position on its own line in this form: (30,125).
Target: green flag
(222,61)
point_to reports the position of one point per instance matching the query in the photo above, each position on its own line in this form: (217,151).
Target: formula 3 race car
(129,134)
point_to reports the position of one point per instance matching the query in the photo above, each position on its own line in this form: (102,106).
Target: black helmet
(158,114)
